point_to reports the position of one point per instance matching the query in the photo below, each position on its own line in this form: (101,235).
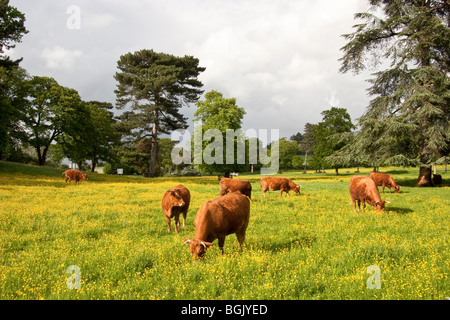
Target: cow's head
(296,189)
(379,205)
(177,199)
(397,188)
(198,247)
(85,176)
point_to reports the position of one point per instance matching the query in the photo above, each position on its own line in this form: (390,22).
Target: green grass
(311,246)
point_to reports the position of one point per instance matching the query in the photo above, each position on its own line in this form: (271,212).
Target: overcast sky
(279,59)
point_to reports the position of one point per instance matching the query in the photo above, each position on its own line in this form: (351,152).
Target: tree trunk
(38,151)
(337,171)
(306,161)
(93,164)
(44,156)
(425,177)
(226,174)
(153,152)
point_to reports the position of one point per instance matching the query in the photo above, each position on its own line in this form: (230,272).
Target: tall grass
(308,246)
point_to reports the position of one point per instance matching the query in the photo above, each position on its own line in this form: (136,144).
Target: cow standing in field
(228,185)
(218,218)
(385,180)
(363,189)
(174,202)
(73,174)
(282,184)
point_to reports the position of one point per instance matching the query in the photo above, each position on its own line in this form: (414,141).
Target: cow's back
(274,183)
(74,174)
(377,177)
(223,215)
(362,187)
(232,185)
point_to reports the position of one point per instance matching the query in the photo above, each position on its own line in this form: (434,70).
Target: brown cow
(73,174)
(282,184)
(218,218)
(230,185)
(385,180)
(174,202)
(363,189)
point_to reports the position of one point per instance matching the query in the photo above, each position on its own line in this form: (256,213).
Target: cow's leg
(221,242)
(359,205)
(364,205)
(177,222)
(184,219)
(168,223)
(383,187)
(354,204)
(240,238)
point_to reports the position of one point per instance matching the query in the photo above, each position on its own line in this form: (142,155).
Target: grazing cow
(282,184)
(218,218)
(437,180)
(363,189)
(174,202)
(73,174)
(230,185)
(385,180)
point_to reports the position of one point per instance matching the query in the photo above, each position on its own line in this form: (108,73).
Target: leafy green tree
(52,110)
(12,103)
(12,77)
(308,141)
(297,137)
(288,151)
(90,136)
(328,133)
(12,29)
(155,86)
(219,113)
(410,111)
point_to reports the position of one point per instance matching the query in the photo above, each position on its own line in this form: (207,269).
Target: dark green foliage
(331,135)
(12,29)
(155,86)
(219,113)
(408,120)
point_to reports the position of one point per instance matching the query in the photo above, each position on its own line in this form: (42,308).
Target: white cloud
(58,58)
(98,20)
(278,58)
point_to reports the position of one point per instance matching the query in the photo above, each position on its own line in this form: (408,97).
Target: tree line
(406,122)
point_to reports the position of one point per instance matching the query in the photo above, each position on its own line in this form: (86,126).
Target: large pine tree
(155,86)
(408,119)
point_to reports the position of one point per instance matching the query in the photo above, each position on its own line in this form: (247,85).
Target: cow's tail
(63,174)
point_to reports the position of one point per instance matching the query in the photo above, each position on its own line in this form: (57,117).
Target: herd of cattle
(230,212)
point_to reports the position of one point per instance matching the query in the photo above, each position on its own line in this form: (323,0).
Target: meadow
(308,246)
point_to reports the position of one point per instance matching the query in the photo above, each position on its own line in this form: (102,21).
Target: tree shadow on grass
(303,242)
(398,210)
